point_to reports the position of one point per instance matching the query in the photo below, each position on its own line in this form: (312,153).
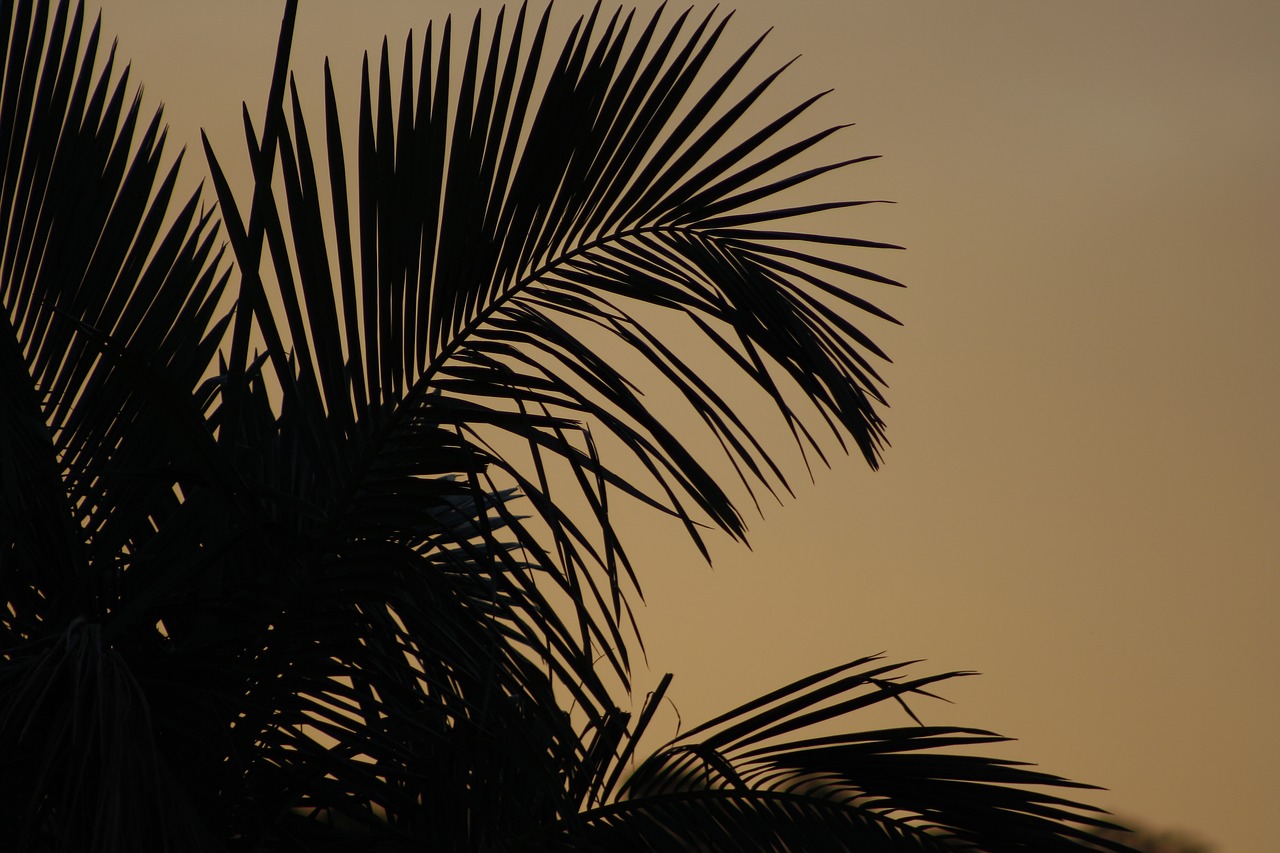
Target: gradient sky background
(1081,500)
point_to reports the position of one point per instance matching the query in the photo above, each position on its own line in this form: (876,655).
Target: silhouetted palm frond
(489,263)
(739,782)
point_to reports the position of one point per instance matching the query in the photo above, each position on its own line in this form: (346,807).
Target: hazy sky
(1081,500)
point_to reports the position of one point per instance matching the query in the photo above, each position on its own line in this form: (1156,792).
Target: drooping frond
(744,781)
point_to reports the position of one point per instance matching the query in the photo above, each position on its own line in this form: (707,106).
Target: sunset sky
(1082,499)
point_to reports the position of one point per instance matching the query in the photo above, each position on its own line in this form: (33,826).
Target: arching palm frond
(99,293)
(739,782)
(508,237)
(108,327)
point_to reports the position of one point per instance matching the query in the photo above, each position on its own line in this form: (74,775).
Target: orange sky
(1081,500)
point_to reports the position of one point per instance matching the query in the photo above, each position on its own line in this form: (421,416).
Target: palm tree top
(329,538)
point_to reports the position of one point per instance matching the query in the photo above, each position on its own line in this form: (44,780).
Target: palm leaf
(741,782)
(495,221)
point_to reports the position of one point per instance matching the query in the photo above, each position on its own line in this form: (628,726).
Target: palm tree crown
(307,544)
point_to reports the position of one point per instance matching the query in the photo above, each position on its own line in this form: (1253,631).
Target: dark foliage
(287,554)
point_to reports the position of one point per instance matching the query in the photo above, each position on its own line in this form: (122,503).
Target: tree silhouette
(315,552)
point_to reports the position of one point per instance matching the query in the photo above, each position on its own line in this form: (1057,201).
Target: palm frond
(740,781)
(506,236)
(91,268)
(109,324)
